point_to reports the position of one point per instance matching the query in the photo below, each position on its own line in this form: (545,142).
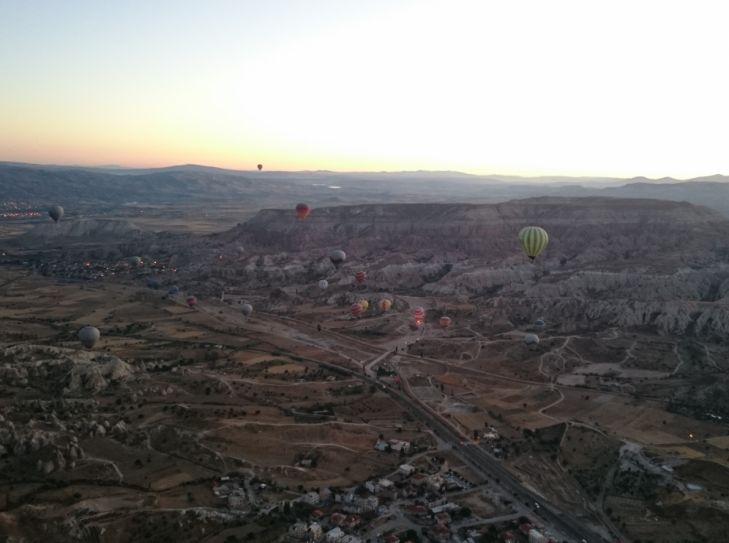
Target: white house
(406,469)
(315,531)
(311,498)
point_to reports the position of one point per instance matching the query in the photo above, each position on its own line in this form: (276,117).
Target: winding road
(476,456)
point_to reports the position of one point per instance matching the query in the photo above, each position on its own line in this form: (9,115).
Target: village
(425,499)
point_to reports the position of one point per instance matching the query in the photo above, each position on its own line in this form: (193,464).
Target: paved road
(479,459)
(485,464)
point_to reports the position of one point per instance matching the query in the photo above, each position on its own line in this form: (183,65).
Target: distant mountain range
(42,185)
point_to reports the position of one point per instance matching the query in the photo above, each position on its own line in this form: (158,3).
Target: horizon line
(355,172)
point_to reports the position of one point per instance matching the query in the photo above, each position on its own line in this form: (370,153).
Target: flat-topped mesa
(590,230)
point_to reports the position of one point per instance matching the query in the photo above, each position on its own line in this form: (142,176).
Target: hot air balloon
(360,277)
(191,301)
(302,211)
(323,284)
(385,304)
(418,315)
(260,167)
(539,323)
(444,321)
(531,339)
(56,213)
(337,256)
(365,304)
(246,309)
(356,310)
(88,336)
(533,240)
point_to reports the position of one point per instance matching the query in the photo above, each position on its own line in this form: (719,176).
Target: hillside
(584,231)
(713,194)
(80,230)
(610,262)
(76,187)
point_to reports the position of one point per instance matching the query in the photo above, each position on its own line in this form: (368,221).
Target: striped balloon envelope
(418,315)
(360,277)
(533,240)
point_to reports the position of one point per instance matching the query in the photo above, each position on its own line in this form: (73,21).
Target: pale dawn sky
(581,87)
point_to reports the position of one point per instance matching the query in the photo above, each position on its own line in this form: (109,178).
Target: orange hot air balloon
(385,304)
(360,277)
(356,310)
(302,211)
(445,322)
(191,301)
(260,167)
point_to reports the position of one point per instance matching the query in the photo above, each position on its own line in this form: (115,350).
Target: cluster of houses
(335,515)
(393,445)
(331,531)
(231,492)
(96,269)
(408,497)
(415,499)
(525,533)
(5,214)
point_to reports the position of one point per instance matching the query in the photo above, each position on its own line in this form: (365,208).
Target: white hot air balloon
(337,256)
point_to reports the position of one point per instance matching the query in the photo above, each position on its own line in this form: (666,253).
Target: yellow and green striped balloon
(534,240)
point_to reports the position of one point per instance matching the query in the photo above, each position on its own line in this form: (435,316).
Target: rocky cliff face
(583,232)
(62,371)
(39,446)
(610,262)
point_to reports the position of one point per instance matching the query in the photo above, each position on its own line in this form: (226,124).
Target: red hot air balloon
(260,167)
(302,211)
(356,310)
(360,277)
(444,321)
(418,315)
(191,301)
